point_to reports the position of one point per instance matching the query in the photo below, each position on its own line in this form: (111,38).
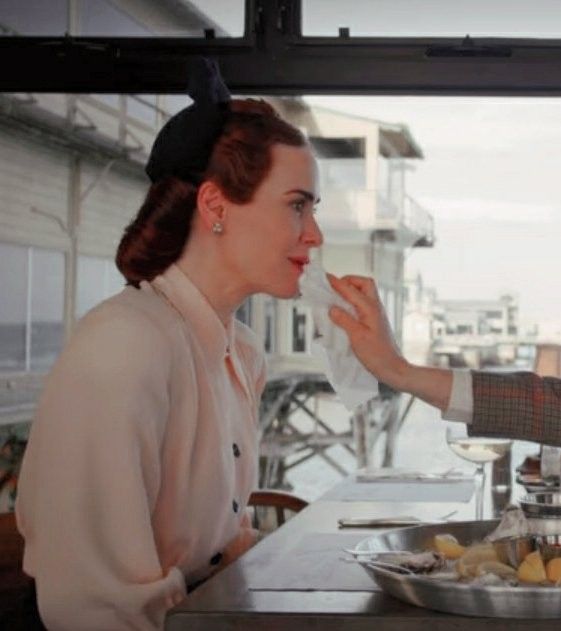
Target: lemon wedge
(448,545)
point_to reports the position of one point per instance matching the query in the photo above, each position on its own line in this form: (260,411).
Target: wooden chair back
(272,508)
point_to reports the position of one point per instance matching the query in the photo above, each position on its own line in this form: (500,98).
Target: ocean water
(421,445)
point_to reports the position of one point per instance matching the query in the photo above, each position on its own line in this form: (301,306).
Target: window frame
(302,64)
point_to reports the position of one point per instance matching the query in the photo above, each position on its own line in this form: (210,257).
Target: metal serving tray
(451,597)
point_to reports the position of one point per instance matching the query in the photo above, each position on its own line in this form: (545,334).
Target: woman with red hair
(143,452)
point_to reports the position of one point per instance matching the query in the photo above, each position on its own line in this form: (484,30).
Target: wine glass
(479,450)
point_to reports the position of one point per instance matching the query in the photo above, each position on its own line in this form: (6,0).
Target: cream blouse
(141,457)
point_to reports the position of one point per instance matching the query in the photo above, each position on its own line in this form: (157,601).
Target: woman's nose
(312,234)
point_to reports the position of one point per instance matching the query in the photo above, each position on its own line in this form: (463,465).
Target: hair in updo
(239,162)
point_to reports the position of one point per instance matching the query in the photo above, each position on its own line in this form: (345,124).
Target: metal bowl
(513,550)
(523,601)
(534,483)
(549,546)
(543,512)
(542,505)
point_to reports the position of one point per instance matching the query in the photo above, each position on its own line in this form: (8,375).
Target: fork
(382,565)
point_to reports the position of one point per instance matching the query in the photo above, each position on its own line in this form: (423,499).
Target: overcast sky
(491,177)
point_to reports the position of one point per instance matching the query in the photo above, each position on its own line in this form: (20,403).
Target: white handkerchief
(351,381)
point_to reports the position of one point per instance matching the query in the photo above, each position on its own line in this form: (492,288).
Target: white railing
(411,216)
(418,219)
(365,209)
(130,120)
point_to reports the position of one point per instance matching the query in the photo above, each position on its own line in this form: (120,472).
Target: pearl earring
(217,227)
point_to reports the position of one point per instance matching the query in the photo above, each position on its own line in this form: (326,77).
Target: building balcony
(352,210)
(412,225)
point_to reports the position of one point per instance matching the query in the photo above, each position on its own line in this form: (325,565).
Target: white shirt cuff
(460,406)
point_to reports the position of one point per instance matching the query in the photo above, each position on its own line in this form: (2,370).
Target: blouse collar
(180,291)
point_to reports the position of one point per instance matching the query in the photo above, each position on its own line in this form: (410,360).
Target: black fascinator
(184,144)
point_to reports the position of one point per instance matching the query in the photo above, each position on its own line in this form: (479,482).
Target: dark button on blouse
(216,558)
(235,506)
(236,450)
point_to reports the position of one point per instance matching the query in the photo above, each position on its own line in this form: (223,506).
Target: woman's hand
(369,333)
(246,539)
(373,343)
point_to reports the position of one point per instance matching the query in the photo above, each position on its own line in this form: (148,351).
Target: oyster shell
(512,524)
(417,562)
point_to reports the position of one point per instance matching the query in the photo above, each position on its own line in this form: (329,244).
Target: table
(264,589)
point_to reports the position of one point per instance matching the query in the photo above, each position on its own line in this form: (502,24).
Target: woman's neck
(217,284)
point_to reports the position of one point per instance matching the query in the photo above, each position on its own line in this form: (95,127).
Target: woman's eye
(299,205)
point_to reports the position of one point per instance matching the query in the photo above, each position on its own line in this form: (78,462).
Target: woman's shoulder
(132,318)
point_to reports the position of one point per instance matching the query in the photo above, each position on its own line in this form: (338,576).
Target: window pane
(174,103)
(227,17)
(98,279)
(143,108)
(47,307)
(433,18)
(103,18)
(383,176)
(342,173)
(388,299)
(270,325)
(91,280)
(13,289)
(99,17)
(299,316)
(243,313)
(114,281)
(33,17)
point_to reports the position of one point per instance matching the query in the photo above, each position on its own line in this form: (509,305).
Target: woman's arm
(90,480)
(372,341)
(517,405)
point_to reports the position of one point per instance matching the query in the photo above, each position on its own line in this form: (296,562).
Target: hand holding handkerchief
(351,381)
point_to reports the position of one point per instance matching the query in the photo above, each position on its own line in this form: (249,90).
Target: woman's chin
(286,291)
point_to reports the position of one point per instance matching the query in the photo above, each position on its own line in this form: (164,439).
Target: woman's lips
(300,263)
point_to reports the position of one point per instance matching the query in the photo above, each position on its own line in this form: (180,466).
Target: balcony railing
(418,220)
(362,209)
(123,124)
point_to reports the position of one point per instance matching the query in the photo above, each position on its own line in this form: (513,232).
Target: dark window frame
(274,58)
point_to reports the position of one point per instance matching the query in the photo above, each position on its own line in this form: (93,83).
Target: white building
(422,320)
(485,332)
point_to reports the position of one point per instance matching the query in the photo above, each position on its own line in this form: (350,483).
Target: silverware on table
(388,522)
(383,522)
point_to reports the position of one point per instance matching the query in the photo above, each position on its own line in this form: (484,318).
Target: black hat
(184,144)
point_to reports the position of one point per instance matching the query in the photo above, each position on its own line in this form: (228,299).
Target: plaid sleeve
(517,405)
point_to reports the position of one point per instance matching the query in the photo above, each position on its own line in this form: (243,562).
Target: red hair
(239,162)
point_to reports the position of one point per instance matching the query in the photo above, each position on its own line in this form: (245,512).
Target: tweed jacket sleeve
(518,405)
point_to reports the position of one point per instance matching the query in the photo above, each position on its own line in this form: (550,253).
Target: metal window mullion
(28,321)
(123,129)
(73,17)
(71,257)
(309,334)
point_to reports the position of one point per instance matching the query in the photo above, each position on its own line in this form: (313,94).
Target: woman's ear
(211,206)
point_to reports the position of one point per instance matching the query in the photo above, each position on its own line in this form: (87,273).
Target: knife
(383,522)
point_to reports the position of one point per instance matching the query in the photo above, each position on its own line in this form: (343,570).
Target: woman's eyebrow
(309,196)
